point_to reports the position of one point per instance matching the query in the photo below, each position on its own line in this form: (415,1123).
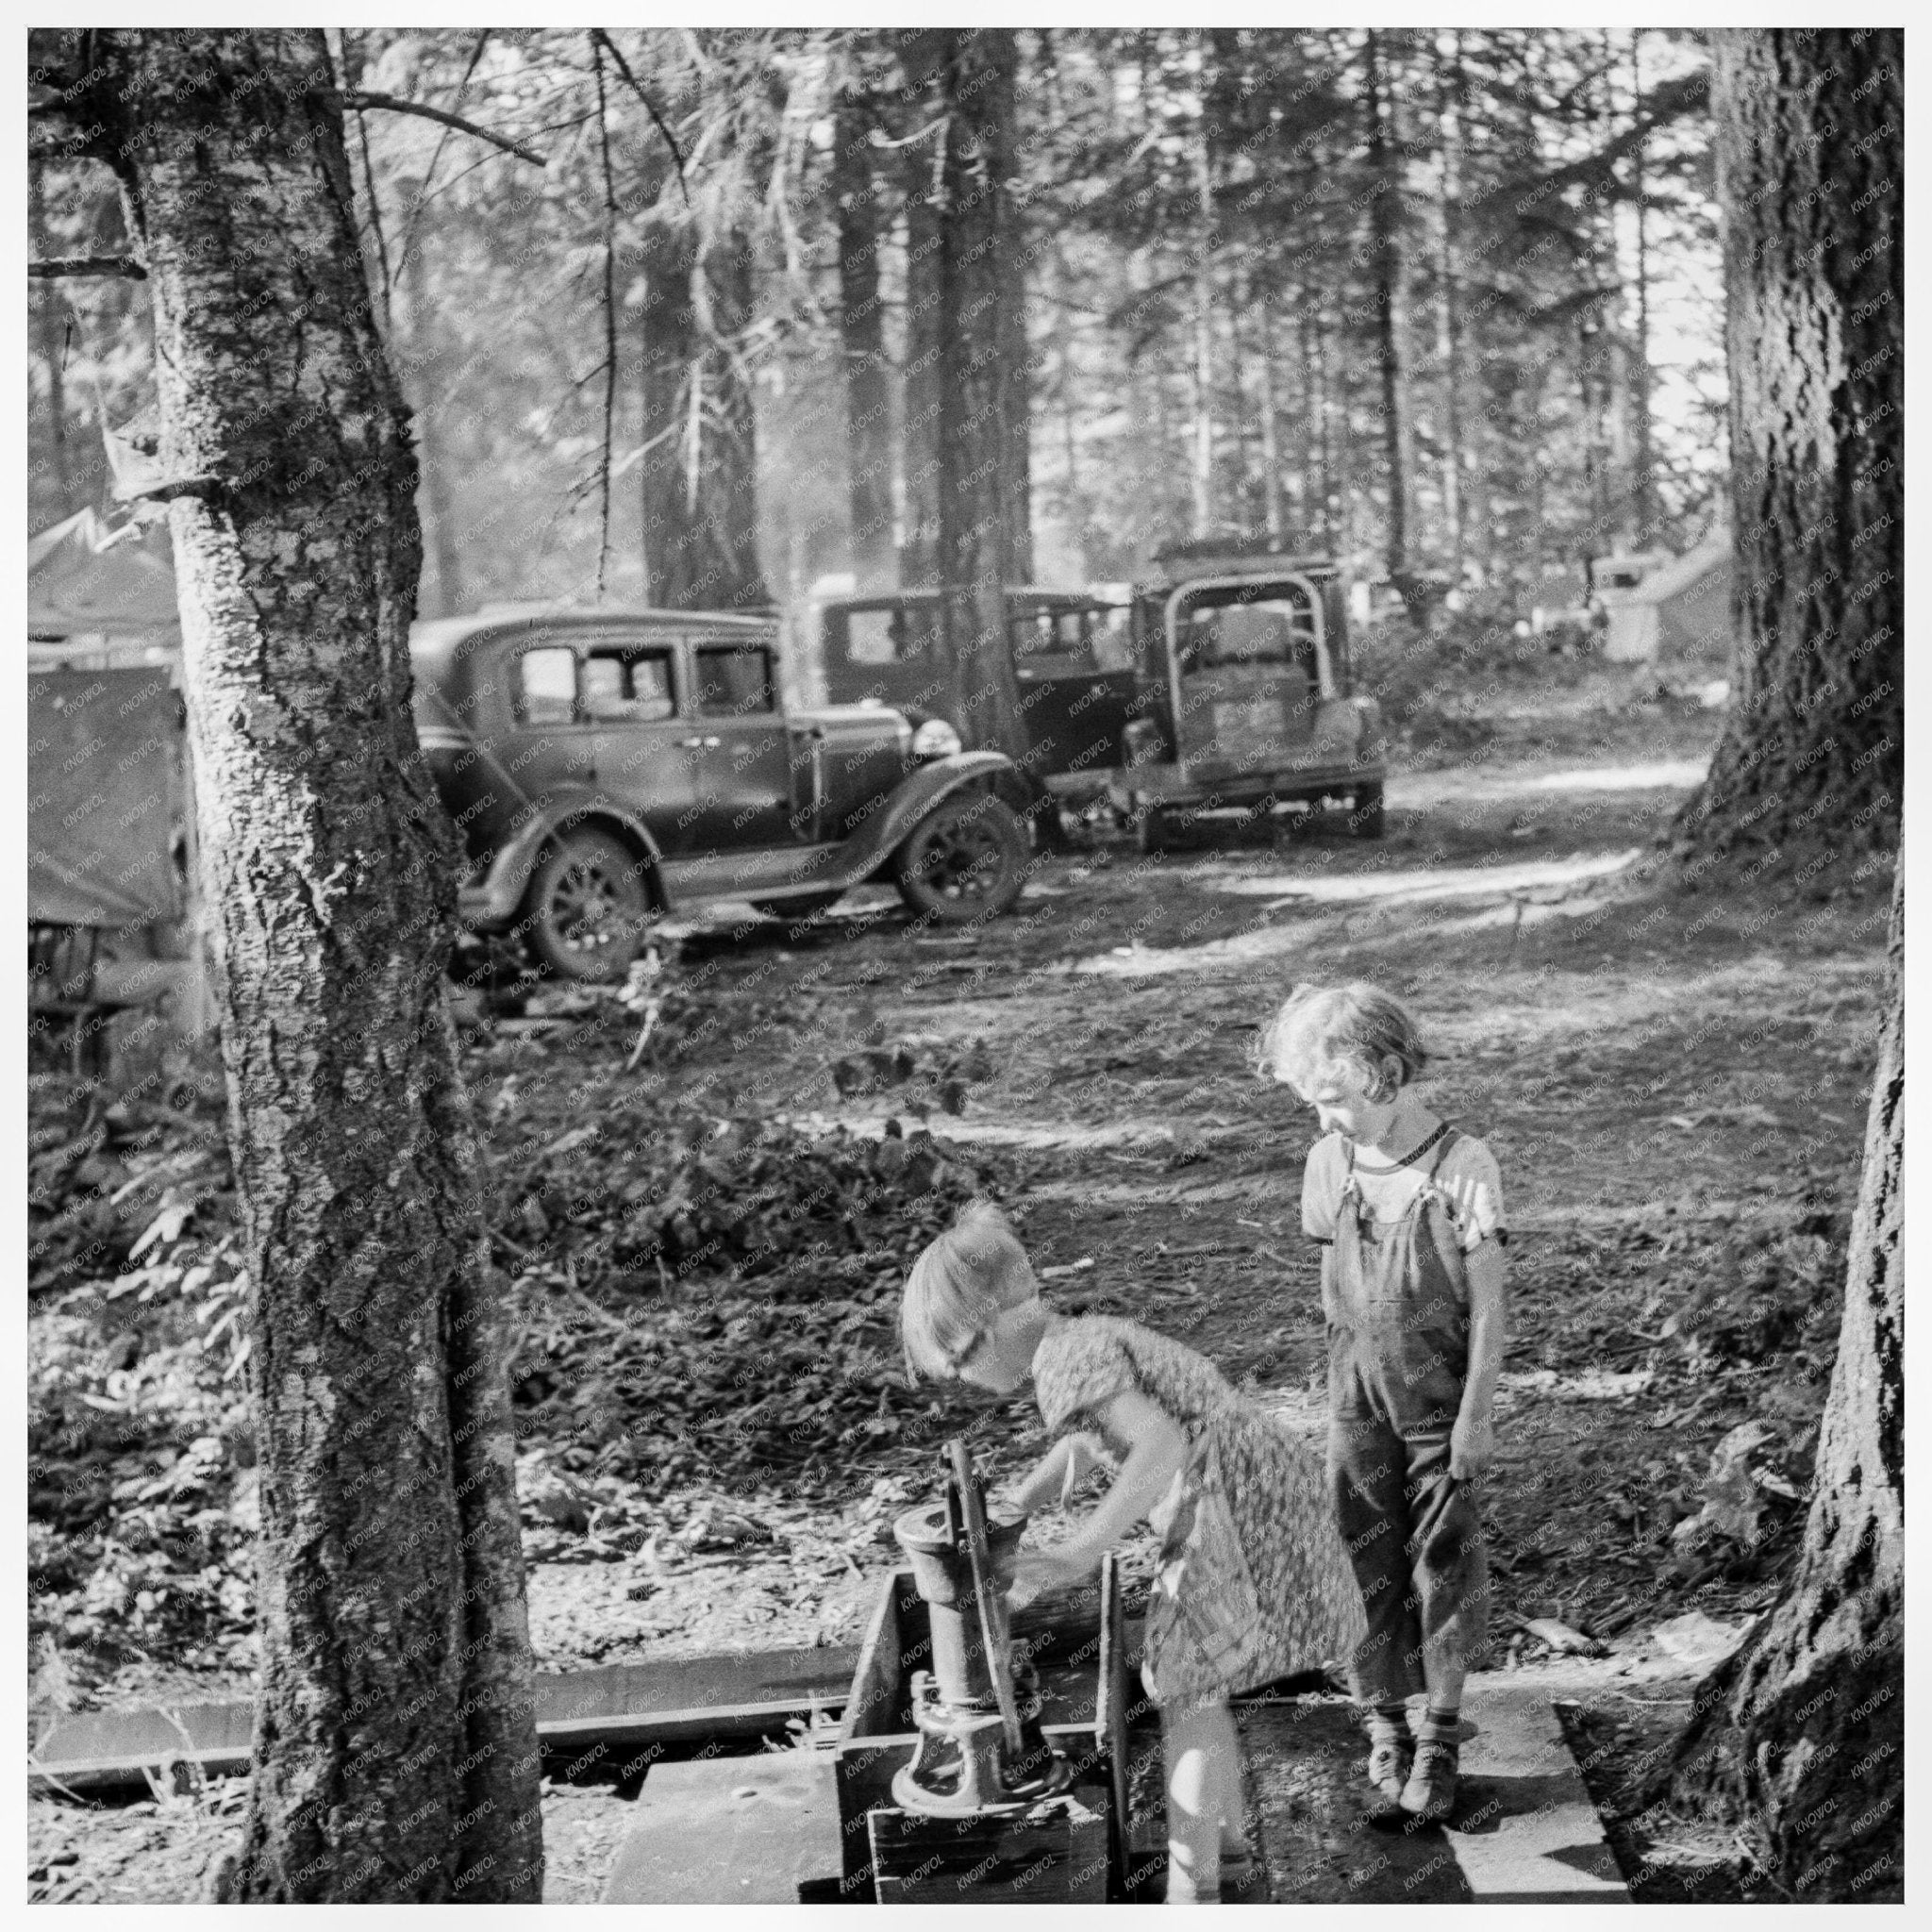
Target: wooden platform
(723,1696)
(732,1831)
(1524,1831)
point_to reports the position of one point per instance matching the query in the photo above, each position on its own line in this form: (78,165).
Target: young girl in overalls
(1253,1581)
(1409,1213)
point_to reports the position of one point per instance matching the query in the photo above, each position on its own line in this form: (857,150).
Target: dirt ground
(1673,1078)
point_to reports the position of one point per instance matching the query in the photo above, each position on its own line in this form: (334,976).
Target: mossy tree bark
(1801,1733)
(1811,149)
(394,1753)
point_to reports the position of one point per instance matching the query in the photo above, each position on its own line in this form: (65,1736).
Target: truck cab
(1072,662)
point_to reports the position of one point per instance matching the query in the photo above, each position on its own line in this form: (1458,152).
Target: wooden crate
(1055,1853)
(1082,1662)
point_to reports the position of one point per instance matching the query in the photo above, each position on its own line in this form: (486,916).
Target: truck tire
(964,861)
(1365,815)
(587,908)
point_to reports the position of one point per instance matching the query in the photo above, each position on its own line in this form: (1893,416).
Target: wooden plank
(872,1700)
(1111,1713)
(726,1695)
(870,1747)
(730,1831)
(1054,1853)
(1524,1831)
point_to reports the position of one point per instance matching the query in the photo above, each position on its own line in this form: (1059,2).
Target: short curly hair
(1319,1028)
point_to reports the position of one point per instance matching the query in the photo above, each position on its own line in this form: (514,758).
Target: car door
(1071,711)
(885,651)
(549,742)
(744,781)
(642,759)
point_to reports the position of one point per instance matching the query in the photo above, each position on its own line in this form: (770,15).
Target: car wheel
(1365,819)
(807,906)
(587,908)
(966,858)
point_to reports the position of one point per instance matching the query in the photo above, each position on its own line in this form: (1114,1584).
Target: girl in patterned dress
(1253,1581)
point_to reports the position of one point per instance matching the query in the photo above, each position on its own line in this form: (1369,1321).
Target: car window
(1279,632)
(546,686)
(872,637)
(1051,643)
(622,683)
(734,679)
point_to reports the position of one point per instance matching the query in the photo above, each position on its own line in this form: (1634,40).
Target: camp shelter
(99,597)
(1680,609)
(111,922)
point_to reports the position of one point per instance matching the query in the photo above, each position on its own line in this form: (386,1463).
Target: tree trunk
(394,1753)
(670,351)
(1271,431)
(46,302)
(1811,131)
(918,441)
(1204,316)
(700,467)
(1448,322)
(1073,513)
(978,515)
(868,399)
(727,474)
(1802,1731)
(443,546)
(1643,482)
(1385,222)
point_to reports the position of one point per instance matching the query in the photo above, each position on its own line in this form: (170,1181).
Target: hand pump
(973,1511)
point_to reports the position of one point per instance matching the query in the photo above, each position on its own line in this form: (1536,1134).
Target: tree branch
(393,104)
(124,266)
(609,46)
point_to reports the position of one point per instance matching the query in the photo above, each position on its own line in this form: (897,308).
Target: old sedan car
(603,766)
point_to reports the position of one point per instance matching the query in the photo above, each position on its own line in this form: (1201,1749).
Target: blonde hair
(1322,1029)
(960,1285)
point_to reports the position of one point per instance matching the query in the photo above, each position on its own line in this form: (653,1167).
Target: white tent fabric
(85,579)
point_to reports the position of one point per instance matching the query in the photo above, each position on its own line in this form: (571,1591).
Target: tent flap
(106,753)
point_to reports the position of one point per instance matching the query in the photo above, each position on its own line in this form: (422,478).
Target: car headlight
(935,739)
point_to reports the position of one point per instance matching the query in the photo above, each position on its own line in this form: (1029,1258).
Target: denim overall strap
(1396,1299)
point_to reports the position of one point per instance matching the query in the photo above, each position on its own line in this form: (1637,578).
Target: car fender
(918,793)
(493,899)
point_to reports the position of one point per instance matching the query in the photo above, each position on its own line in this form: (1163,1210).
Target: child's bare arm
(1155,1452)
(1472,1444)
(1056,1473)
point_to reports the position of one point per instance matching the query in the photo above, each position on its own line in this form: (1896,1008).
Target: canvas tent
(1680,609)
(106,764)
(88,582)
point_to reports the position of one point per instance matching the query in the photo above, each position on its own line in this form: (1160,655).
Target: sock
(1388,1720)
(1440,1725)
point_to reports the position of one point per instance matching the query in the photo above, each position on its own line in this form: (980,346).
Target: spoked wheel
(965,859)
(587,908)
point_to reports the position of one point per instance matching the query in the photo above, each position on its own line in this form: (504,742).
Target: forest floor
(706,1236)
